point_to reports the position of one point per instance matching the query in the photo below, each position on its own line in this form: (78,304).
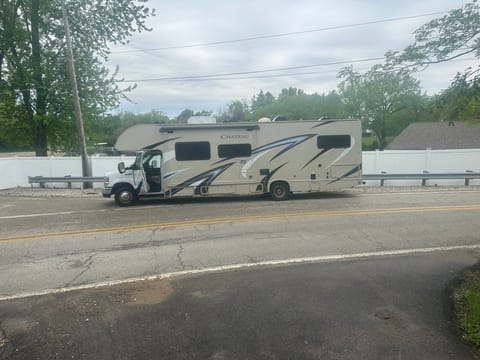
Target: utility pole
(76,100)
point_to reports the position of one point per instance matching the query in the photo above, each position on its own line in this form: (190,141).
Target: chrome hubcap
(125,196)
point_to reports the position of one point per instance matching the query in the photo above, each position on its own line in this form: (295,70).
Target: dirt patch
(151,294)
(87,324)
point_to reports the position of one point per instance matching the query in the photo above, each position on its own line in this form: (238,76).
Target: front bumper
(107,192)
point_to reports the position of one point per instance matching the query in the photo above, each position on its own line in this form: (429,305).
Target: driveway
(394,307)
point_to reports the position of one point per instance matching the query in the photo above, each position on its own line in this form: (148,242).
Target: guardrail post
(424,181)
(69,183)
(467,180)
(382,182)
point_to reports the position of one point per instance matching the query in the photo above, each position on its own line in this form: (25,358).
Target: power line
(240,77)
(271,36)
(213,76)
(263,76)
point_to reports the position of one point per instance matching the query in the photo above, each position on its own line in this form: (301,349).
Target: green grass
(471,321)
(466,297)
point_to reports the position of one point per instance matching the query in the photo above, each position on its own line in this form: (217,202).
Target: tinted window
(333,141)
(196,150)
(234,150)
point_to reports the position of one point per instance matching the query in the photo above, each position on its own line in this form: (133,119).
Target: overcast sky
(166,51)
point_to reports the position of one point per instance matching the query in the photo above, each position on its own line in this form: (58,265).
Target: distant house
(437,136)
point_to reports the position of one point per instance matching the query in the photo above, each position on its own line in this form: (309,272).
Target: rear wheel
(279,191)
(125,196)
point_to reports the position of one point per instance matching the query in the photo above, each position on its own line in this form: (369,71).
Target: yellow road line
(239,219)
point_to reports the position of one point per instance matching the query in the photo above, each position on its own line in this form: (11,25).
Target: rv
(278,158)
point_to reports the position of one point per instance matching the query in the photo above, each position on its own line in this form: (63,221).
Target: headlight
(106,180)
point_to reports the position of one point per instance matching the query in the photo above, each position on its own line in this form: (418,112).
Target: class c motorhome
(278,158)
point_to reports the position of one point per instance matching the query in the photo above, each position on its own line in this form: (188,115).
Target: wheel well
(279,182)
(119,186)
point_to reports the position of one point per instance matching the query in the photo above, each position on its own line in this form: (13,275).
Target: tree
(184,115)
(302,106)
(378,97)
(188,113)
(237,111)
(204,113)
(452,36)
(291,91)
(33,64)
(461,101)
(472,110)
(261,99)
(108,128)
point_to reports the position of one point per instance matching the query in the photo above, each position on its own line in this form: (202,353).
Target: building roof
(437,135)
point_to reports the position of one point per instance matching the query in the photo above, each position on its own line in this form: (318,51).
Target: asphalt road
(369,270)
(51,243)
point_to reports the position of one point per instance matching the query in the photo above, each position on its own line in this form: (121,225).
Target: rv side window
(234,150)
(333,141)
(195,150)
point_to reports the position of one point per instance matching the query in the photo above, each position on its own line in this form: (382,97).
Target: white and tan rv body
(237,159)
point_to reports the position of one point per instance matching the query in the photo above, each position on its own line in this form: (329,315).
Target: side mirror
(121,167)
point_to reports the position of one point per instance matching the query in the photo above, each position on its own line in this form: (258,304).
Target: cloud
(188,22)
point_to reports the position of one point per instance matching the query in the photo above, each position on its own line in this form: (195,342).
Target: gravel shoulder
(65,192)
(50,192)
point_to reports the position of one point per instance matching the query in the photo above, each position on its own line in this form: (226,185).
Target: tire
(279,191)
(125,196)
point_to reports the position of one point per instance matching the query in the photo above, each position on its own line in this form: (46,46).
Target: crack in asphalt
(157,260)
(87,265)
(181,249)
(181,261)
(379,244)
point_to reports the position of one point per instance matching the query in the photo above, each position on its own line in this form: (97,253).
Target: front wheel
(125,196)
(279,191)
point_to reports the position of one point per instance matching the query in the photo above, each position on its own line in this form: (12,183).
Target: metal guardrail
(42,180)
(467,176)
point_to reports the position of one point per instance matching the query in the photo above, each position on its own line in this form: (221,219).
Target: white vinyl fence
(14,171)
(419,161)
